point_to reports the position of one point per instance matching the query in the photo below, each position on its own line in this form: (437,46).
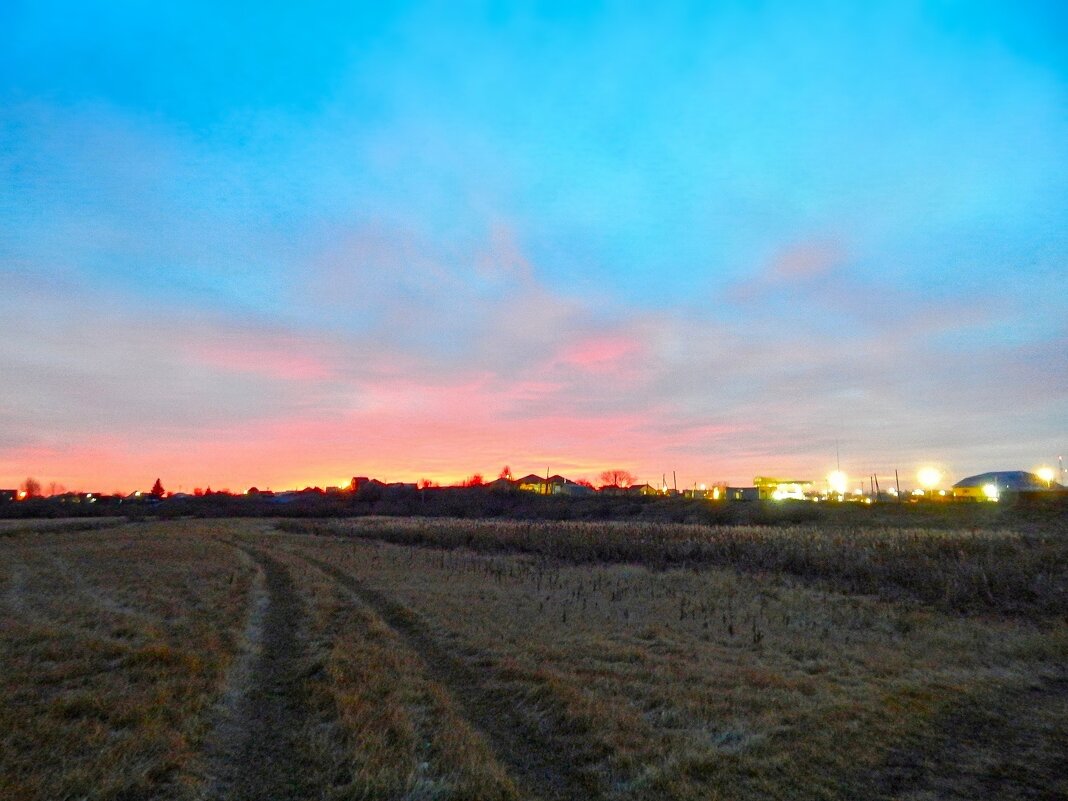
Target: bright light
(703,488)
(917,492)
(929,477)
(990,491)
(838,482)
(1046,474)
(22,495)
(715,493)
(788,492)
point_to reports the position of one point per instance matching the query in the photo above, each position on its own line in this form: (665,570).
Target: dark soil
(264,757)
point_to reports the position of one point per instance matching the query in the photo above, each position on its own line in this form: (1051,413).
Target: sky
(282,244)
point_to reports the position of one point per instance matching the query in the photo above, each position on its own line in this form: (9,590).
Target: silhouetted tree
(32,487)
(475,481)
(506,472)
(618,478)
(157,489)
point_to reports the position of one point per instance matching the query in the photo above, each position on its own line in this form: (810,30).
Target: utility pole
(675,482)
(898,482)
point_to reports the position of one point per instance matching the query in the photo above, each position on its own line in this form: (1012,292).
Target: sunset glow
(424,241)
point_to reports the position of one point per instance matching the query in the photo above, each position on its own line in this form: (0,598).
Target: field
(394,658)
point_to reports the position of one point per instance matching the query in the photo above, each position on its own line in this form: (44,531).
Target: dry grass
(967,571)
(19,526)
(113,645)
(382,725)
(710,683)
(560,661)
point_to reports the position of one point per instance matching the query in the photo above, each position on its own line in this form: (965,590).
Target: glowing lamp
(929,477)
(990,491)
(838,482)
(1046,474)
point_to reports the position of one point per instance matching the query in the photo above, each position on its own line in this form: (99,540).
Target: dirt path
(257,752)
(543,766)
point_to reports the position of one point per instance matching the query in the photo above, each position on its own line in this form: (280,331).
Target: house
(778,489)
(707,492)
(990,486)
(531,483)
(553,485)
(360,481)
(565,486)
(644,489)
(7,495)
(741,494)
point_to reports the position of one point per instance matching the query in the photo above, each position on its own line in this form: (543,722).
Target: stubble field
(414,659)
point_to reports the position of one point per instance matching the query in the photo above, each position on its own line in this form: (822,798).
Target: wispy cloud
(718,258)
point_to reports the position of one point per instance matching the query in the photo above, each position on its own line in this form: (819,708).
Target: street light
(929,477)
(838,482)
(1046,474)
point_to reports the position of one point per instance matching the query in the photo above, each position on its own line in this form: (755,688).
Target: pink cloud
(525,376)
(807,260)
(283,361)
(802,263)
(600,353)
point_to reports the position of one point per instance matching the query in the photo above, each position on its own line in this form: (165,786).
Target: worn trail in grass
(542,765)
(258,754)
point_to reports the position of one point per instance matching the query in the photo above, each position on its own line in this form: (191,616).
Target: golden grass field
(413,659)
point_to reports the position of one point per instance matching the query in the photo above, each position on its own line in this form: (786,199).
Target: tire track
(543,767)
(258,753)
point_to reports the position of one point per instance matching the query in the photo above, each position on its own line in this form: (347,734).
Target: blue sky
(760,226)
